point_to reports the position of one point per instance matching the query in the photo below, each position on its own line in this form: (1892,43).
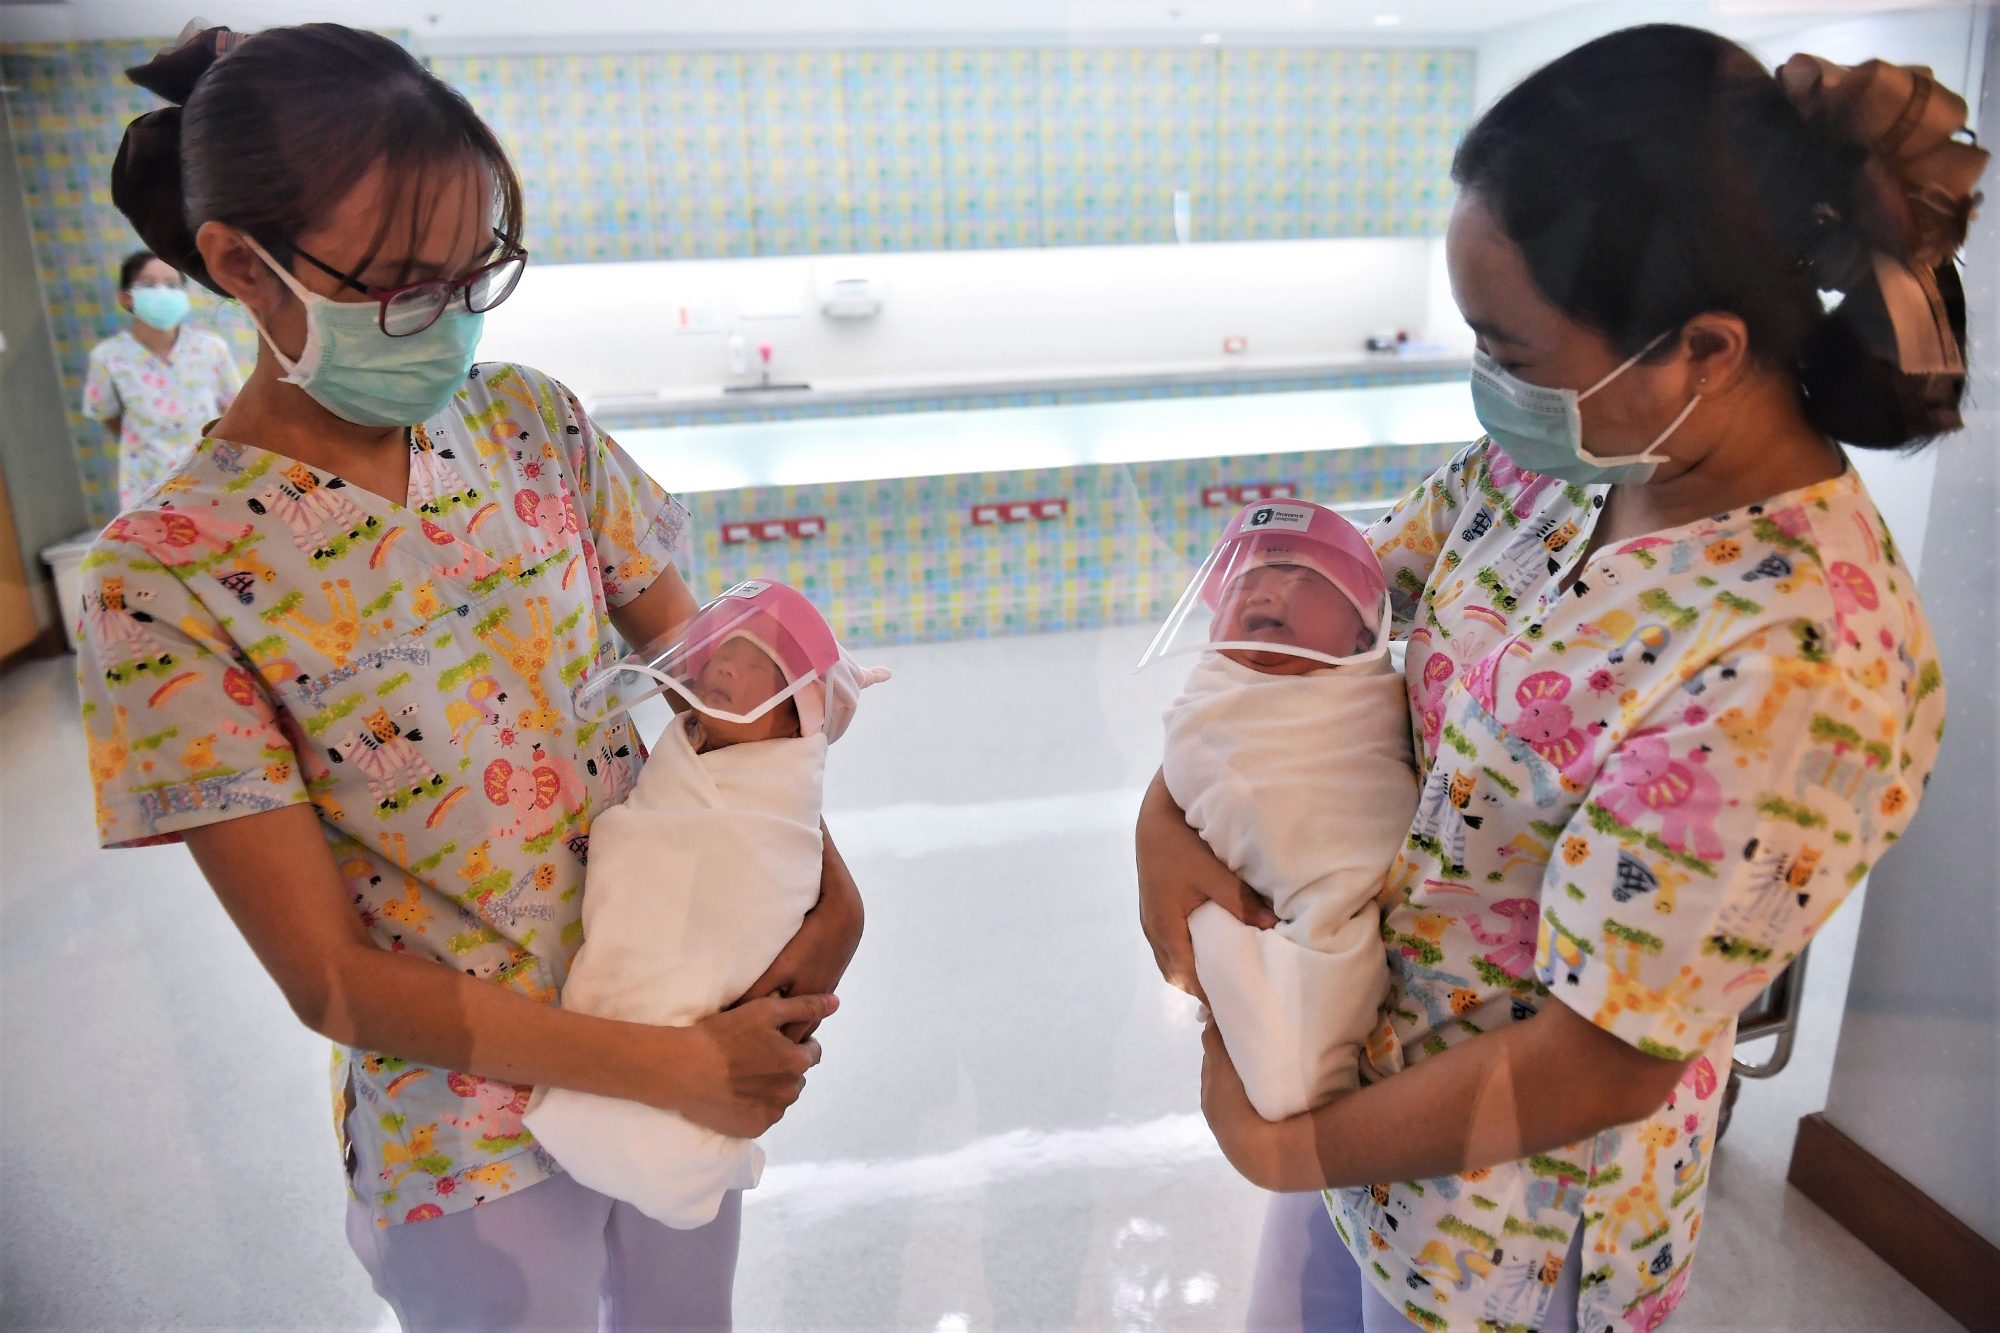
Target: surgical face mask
(162,308)
(359,373)
(1542,429)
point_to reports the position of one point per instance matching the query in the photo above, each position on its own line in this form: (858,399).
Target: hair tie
(174,72)
(1915,199)
(1922,176)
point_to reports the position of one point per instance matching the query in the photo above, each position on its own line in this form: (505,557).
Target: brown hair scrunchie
(1918,192)
(146,174)
(1922,177)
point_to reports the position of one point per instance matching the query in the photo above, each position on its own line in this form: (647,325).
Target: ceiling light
(1210,38)
(1387,20)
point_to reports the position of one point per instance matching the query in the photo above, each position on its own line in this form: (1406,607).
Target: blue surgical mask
(162,308)
(359,373)
(1542,429)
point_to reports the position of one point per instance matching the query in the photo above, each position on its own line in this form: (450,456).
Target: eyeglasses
(412,309)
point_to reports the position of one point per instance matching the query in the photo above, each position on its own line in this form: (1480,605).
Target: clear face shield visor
(740,657)
(1290,587)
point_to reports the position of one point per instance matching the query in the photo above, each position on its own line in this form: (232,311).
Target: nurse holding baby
(1669,687)
(335,654)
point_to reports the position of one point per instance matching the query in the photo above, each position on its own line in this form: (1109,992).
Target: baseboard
(1941,1256)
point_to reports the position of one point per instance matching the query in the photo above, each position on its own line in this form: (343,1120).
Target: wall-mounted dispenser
(847,293)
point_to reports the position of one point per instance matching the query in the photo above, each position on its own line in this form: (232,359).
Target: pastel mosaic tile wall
(69,108)
(706,154)
(902,562)
(655,155)
(1337,143)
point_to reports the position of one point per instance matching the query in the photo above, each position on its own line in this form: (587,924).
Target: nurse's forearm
(277,880)
(1528,1087)
(435,1015)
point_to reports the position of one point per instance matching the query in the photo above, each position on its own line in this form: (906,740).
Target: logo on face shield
(1297,518)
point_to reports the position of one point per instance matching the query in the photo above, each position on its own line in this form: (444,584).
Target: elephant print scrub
(1644,789)
(260,633)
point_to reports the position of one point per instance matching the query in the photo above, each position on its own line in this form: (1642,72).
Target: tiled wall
(69,107)
(902,562)
(707,154)
(676,155)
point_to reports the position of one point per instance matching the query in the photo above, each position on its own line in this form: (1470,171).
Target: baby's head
(737,678)
(1288,606)
(757,663)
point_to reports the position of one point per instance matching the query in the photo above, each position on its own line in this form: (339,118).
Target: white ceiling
(505,24)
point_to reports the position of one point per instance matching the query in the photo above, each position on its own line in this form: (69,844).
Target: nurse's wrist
(656,1066)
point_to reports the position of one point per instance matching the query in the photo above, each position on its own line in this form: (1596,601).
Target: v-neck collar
(1597,497)
(374,499)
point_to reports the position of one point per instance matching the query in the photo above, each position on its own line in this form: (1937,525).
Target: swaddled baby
(701,876)
(1289,749)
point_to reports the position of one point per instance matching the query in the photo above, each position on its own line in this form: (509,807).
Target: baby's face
(737,678)
(1287,606)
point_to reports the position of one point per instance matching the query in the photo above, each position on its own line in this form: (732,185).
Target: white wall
(1946,37)
(1916,1077)
(1938,35)
(965,316)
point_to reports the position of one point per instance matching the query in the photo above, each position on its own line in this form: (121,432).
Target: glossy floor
(1004,1135)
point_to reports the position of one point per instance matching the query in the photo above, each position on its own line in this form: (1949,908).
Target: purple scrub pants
(555,1256)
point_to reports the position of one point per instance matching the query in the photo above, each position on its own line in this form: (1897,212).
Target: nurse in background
(154,384)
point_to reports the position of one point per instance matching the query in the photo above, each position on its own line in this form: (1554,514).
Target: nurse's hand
(737,1072)
(816,957)
(1178,873)
(1272,1155)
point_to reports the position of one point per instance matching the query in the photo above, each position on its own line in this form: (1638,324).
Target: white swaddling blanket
(694,884)
(1304,786)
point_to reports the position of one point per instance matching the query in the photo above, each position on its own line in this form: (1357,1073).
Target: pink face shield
(742,655)
(1288,578)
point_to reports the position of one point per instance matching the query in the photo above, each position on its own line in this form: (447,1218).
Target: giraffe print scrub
(260,634)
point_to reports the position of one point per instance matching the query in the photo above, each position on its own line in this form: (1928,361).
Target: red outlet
(1019,511)
(737,531)
(1215,497)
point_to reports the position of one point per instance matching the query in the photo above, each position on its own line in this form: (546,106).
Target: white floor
(1004,1135)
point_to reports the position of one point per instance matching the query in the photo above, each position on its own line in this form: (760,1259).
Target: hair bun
(146,187)
(146,174)
(1922,176)
(173,73)
(1887,365)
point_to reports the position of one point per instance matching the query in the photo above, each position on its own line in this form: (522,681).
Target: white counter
(1058,379)
(925,444)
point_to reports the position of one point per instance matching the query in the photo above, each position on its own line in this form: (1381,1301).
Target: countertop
(811,451)
(1025,380)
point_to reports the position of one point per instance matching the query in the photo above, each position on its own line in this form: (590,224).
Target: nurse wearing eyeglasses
(337,657)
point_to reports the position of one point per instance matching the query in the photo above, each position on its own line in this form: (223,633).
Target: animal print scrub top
(260,633)
(1642,796)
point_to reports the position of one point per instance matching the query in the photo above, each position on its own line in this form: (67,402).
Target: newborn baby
(701,876)
(1289,749)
